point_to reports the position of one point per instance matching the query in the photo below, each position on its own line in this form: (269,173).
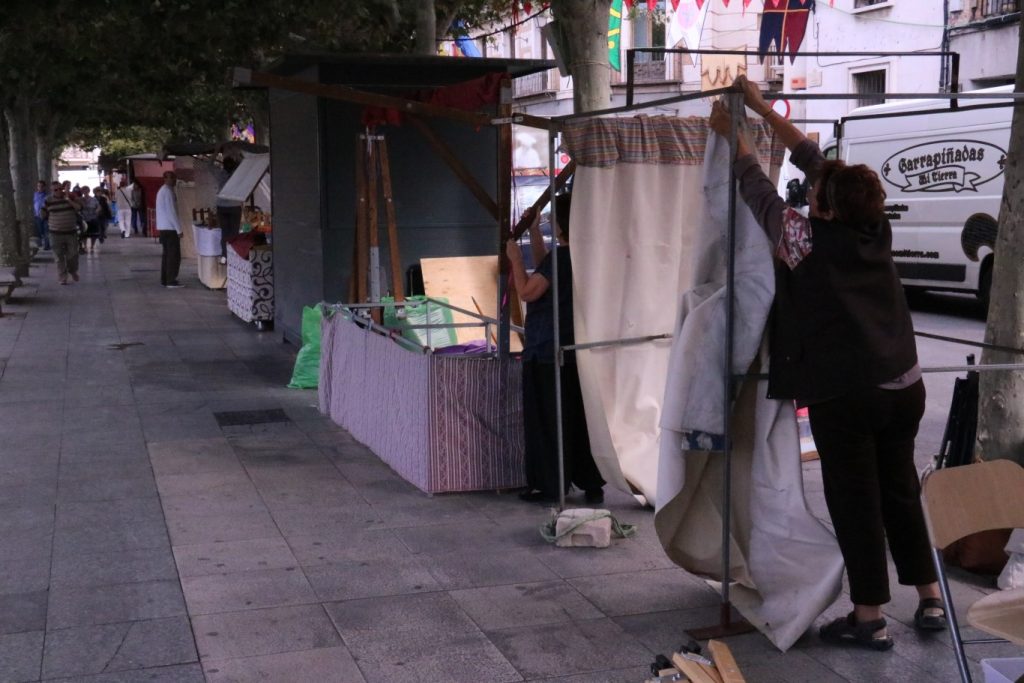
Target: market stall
(450,426)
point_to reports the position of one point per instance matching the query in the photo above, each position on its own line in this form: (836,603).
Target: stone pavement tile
(207,484)
(470,569)
(108,513)
(323,665)
(227,526)
(284,457)
(173,427)
(569,648)
(105,648)
(637,673)
(116,567)
(192,456)
(30,445)
(351,579)
(94,446)
(484,536)
(103,419)
(20,612)
(435,612)
(111,536)
(30,491)
(340,545)
(110,487)
(127,467)
(243,499)
(315,519)
(25,569)
(119,394)
(20,656)
(22,463)
(233,556)
(182,673)
(236,591)
(624,555)
(272,436)
(24,521)
(165,389)
(664,631)
(412,656)
(86,606)
(22,391)
(31,418)
(524,604)
(646,591)
(423,511)
(264,631)
(303,486)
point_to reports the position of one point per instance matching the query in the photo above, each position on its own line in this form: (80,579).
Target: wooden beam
(725,662)
(397,290)
(247,77)
(506,291)
(524,223)
(458,168)
(360,238)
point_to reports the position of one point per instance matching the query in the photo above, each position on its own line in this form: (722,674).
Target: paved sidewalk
(155,527)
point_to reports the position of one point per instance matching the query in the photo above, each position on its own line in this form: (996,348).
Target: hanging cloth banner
(784,24)
(685,22)
(615,34)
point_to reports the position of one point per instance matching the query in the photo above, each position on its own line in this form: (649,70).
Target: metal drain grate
(236,418)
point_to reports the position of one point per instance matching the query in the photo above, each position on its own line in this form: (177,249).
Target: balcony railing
(653,68)
(995,8)
(536,84)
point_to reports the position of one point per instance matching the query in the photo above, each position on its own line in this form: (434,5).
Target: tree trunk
(46,133)
(23,167)
(585,26)
(9,237)
(1001,403)
(426,28)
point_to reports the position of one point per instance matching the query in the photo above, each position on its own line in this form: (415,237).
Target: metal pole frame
(559,436)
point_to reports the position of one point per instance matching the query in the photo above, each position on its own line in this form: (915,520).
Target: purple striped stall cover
(443,424)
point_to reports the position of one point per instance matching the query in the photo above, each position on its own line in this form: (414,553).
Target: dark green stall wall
(436,214)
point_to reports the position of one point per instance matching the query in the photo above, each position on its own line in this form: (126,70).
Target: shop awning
(245,178)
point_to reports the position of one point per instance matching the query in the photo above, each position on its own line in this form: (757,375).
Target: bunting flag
(685,23)
(615,34)
(784,23)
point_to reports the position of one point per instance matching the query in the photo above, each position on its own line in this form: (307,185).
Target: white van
(942,170)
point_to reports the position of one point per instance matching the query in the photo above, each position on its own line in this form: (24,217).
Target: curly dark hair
(563,205)
(853,193)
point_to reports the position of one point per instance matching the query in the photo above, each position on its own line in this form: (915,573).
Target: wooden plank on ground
(460,280)
(725,662)
(695,671)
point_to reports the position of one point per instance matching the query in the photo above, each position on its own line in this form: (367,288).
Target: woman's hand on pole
(721,118)
(752,96)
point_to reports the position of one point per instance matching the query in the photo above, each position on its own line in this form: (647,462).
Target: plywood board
(463,280)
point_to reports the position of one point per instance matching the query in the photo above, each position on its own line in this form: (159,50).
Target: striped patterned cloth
(654,140)
(442,423)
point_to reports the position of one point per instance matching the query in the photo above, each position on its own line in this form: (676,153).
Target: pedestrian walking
(138,206)
(90,214)
(124,207)
(38,200)
(105,213)
(61,215)
(169,228)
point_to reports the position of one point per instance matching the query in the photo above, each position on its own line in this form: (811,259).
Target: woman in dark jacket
(539,371)
(842,344)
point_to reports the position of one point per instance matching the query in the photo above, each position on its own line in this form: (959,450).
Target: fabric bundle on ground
(648,227)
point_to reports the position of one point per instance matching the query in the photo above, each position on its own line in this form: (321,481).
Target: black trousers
(171,258)
(541,430)
(865,440)
(230,220)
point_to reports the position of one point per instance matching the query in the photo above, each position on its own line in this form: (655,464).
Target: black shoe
(536,497)
(926,617)
(174,285)
(846,631)
(594,497)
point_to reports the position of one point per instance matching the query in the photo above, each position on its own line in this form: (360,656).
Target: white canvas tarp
(647,237)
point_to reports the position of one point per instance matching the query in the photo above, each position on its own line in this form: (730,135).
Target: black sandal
(926,619)
(846,631)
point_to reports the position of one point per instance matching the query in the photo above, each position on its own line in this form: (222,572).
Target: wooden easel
(373,178)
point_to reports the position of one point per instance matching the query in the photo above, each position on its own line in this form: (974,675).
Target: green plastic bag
(306,374)
(416,314)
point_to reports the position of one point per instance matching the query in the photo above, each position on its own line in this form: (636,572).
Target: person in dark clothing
(842,344)
(539,361)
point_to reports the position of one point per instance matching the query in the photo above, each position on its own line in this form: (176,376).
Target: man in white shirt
(169,228)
